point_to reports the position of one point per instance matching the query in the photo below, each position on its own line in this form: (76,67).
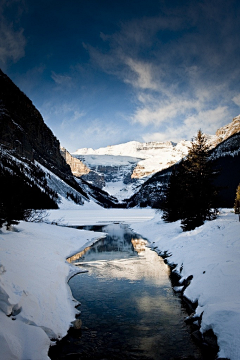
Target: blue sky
(103,72)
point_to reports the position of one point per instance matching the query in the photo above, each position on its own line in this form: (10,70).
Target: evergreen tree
(198,192)
(190,193)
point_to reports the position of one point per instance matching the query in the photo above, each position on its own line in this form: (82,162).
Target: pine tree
(190,193)
(199,192)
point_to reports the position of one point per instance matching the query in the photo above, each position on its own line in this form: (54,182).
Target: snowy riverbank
(211,255)
(34,274)
(33,287)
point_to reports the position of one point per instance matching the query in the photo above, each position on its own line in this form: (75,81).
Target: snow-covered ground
(34,274)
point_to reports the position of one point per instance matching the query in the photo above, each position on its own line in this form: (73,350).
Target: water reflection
(128,307)
(120,242)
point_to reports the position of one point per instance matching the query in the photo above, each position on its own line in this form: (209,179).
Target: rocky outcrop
(78,168)
(140,171)
(228,130)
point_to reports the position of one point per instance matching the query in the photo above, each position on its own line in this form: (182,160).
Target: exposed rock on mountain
(23,186)
(78,168)
(24,131)
(228,130)
(121,169)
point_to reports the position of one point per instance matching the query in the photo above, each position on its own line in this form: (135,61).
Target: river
(128,307)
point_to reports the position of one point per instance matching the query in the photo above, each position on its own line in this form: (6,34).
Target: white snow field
(34,274)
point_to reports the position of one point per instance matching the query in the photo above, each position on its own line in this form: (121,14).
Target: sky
(104,72)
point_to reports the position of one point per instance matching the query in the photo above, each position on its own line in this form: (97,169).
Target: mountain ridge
(226,162)
(26,139)
(157,156)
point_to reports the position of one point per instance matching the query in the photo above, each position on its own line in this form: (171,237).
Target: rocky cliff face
(78,168)
(24,134)
(24,131)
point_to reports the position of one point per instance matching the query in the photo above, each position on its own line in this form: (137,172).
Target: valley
(119,184)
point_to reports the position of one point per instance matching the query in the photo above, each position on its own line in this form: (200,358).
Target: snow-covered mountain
(30,155)
(153,156)
(121,169)
(226,161)
(112,174)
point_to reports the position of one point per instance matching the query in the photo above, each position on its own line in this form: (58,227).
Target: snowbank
(36,303)
(211,254)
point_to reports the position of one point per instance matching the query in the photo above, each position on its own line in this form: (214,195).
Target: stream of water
(128,308)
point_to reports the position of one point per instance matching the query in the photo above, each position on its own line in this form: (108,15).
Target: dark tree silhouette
(190,195)
(172,203)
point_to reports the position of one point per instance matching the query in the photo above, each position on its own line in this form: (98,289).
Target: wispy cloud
(12,42)
(236,99)
(142,75)
(12,39)
(60,79)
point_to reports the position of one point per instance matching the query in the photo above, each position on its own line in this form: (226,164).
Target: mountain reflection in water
(120,242)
